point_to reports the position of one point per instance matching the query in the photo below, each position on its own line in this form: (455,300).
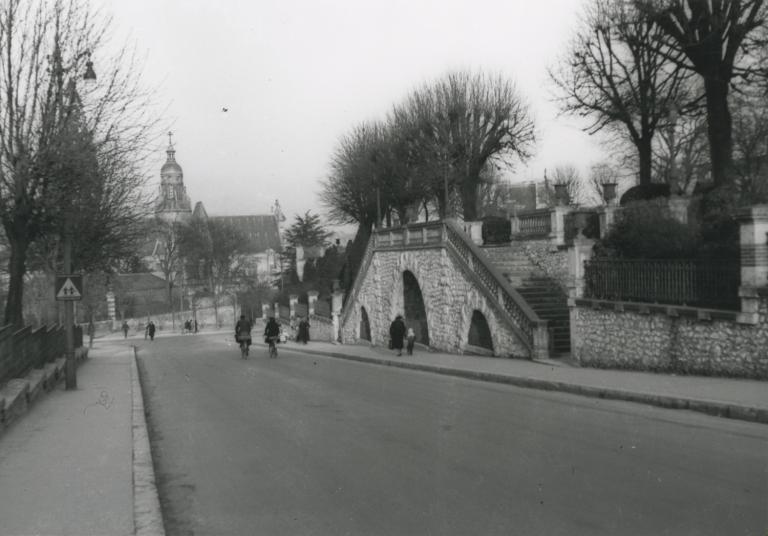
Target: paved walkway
(67,465)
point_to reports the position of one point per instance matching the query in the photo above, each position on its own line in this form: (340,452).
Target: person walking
(411,338)
(243,332)
(396,334)
(303,335)
(151,330)
(125,329)
(91,333)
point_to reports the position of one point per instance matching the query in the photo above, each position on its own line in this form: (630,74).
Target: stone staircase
(542,293)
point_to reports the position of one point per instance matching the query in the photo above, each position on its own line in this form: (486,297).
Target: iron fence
(713,284)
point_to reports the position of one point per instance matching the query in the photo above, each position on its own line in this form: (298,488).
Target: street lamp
(70,370)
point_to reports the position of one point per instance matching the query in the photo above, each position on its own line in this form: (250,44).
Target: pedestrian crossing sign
(69,287)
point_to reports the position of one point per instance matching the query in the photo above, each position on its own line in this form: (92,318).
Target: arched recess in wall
(479,332)
(365,325)
(415,313)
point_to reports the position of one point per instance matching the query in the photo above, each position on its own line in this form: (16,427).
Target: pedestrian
(125,329)
(396,334)
(411,338)
(187,326)
(91,333)
(303,335)
(151,330)
(195,325)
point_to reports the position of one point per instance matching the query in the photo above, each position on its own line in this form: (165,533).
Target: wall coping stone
(675,311)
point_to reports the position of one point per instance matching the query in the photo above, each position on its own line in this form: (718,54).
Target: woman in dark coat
(303,335)
(397,333)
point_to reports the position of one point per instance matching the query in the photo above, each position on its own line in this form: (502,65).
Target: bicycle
(272,346)
(243,339)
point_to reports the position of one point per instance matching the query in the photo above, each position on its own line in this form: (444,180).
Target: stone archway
(479,332)
(415,313)
(365,325)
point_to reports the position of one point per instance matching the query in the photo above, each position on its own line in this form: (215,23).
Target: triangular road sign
(69,288)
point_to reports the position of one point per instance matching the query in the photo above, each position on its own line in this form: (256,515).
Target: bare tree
(709,37)
(616,75)
(469,121)
(681,154)
(59,140)
(750,143)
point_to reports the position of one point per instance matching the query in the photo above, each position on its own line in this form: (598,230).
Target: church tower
(173,203)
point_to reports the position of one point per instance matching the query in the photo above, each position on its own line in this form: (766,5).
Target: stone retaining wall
(449,297)
(669,339)
(553,261)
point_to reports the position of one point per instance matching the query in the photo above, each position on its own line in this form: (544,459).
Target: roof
(261,232)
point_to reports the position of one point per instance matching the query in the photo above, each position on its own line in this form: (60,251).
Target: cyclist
(271,335)
(243,333)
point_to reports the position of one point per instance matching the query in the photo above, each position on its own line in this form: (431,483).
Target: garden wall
(669,339)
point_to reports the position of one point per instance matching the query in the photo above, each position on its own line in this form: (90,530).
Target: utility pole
(70,370)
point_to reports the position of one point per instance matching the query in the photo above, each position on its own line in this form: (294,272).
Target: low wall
(660,338)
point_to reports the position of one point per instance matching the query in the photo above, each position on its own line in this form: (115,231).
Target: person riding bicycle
(243,332)
(271,331)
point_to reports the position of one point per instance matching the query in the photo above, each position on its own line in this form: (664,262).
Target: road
(308,445)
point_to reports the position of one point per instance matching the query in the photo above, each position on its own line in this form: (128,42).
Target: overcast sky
(295,75)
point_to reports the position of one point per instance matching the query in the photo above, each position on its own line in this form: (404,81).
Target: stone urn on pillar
(561,195)
(293,299)
(265,311)
(609,193)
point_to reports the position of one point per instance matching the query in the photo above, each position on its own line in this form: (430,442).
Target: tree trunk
(469,199)
(645,157)
(17,267)
(719,129)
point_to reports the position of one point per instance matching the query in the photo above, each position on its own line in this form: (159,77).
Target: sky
(296,75)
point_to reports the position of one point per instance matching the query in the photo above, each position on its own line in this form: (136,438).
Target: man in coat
(397,333)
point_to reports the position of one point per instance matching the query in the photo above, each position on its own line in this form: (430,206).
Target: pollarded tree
(469,121)
(711,38)
(619,75)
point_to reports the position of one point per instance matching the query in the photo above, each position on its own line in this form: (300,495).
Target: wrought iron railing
(538,222)
(694,283)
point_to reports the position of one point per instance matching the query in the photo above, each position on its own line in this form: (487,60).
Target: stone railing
(365,262)
(531,329)
(534,223)
(25,349)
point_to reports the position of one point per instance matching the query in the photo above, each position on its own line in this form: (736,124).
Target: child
(411,336)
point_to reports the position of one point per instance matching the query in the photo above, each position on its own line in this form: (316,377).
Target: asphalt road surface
(308,445)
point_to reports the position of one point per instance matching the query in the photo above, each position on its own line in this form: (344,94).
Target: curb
(710,407)
(147,515)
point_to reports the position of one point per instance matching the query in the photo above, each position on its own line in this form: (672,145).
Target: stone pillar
(312,299)
(277,310)
(607,218)
(337,300)
(265,310)
(293,299)
(111,309)
(754,260)
(474,230)
(678,207)
(557,234)
(578,254)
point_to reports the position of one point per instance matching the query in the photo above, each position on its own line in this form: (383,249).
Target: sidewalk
(68,465)
(725,397)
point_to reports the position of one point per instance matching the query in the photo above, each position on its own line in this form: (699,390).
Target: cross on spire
(170,138)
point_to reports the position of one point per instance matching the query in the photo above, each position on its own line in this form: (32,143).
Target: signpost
(69,289)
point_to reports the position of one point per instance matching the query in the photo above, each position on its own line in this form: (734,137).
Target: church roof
(260,231)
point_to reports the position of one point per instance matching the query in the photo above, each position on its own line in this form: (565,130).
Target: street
(305,444)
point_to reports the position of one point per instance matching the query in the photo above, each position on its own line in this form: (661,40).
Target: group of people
(149,330)
(272,329)
(190,326)
(398,333)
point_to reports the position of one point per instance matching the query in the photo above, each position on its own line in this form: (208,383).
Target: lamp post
(70,370)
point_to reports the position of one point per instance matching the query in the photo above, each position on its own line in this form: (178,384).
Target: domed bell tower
(173,204)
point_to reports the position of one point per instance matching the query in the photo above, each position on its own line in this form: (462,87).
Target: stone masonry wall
(449,296)
(656,341)
(549,258)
